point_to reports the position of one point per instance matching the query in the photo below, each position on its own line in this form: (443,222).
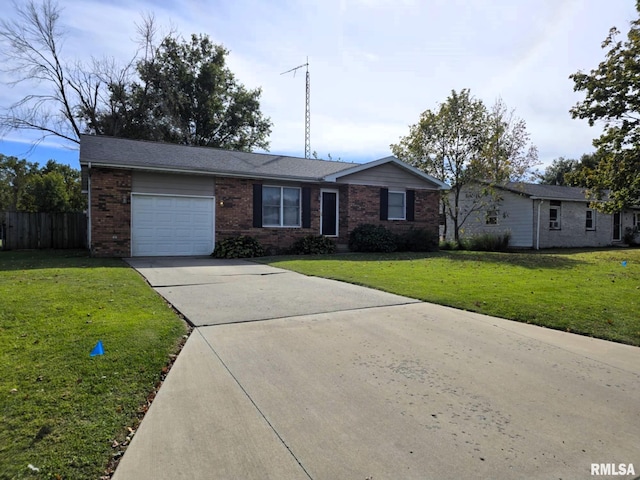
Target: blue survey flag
(624,264)
(97,350)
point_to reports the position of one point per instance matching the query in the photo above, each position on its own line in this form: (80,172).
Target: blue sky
(375,64)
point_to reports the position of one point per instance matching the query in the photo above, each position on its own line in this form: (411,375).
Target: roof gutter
(204,172)
(533,197)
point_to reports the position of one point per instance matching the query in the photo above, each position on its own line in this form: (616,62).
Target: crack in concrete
(302,315)
(253,402)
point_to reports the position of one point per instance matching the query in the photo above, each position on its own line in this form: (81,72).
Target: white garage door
(171,225)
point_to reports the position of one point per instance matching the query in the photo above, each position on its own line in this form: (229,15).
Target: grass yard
(586,292)
(61,409)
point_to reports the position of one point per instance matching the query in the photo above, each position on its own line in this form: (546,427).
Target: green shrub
(487,242)
(449,245)
(238,247)
(372,238)
(313,245)
(630,235)
(416,240)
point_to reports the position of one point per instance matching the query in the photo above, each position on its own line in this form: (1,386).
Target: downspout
(89,208)
(538,226)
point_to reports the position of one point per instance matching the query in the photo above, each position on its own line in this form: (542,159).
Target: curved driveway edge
(400,390)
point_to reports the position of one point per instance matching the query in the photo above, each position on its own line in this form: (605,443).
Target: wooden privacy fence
(24,230)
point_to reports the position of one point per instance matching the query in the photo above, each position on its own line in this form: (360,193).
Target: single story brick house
(541,216)
(155,199)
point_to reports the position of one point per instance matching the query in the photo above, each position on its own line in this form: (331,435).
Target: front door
(329,213)
(617,226)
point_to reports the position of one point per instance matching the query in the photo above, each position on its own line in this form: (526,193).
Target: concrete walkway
(292,377)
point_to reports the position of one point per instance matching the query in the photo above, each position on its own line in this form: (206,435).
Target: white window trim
(558,218)
(492,213)
(337,192)
(282,187)
(404,205)
(593,220)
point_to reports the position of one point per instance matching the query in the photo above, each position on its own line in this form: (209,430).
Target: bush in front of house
(416,240)
(630,235)
(487,242)
(372,238)
(238,247)
(449,245)
(313,245)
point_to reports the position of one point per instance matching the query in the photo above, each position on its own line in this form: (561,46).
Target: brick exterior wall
(362,205)
(234,215)
(358,204)
(110,212)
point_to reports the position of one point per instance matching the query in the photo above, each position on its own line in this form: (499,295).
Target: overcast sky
(375,64)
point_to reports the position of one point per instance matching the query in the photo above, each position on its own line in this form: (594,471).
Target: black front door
(329,214)
(617,226)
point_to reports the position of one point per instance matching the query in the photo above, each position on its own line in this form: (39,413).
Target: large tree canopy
(612,97)
(185,94)
(570,172)
(463,142)
(27,187)
(178,91)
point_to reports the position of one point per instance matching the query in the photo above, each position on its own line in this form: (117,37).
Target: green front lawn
(61,409)
(586,292)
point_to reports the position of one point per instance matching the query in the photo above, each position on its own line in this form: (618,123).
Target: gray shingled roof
(145,155)
(554,192)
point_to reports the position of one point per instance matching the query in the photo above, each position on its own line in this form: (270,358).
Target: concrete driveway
(292,377)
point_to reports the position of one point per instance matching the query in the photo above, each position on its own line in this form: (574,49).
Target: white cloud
(376,64)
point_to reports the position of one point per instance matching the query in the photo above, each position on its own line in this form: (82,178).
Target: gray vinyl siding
(173,184)
(518,215)
(514,216)
(517,211)
(389,176)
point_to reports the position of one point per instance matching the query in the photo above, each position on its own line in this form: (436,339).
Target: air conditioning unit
(554,225)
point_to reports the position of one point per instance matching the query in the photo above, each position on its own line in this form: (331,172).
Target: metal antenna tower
(307,109)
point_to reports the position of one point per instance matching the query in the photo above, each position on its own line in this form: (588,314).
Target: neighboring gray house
(540,216)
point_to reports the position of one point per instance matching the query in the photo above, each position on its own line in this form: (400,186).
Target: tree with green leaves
(469,147)
(186,94)
(611,97)
(179,91)
(14,175)
(25,187)
(570,172)
(508,154)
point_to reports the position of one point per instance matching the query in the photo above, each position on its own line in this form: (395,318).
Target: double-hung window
(554,215)
(590,221)
(280,206)
(397,206)
(491,217)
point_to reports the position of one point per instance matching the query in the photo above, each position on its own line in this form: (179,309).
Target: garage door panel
(167,226)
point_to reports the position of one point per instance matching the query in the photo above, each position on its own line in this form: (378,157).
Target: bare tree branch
(69,93)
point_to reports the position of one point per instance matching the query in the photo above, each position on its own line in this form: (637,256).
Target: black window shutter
(257,205)
(384,204)
(411,205)
(306,207)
